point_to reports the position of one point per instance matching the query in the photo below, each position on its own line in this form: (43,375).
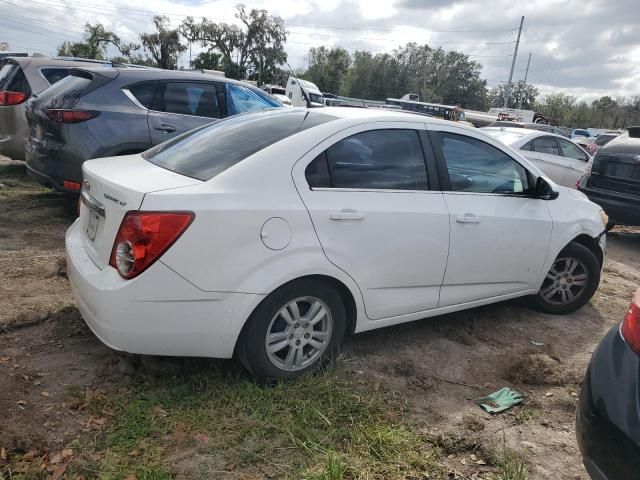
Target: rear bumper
(52,171)
(607,414)
(157,313)
(621,208)
(14,130)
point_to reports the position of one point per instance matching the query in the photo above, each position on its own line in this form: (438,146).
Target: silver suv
(20,79)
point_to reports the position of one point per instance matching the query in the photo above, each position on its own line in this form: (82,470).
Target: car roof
(135,74)
(624,143)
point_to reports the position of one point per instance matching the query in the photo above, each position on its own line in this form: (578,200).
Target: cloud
(586,48)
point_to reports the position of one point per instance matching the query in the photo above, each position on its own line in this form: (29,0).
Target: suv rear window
(207,151)
(12,79)
(54,75)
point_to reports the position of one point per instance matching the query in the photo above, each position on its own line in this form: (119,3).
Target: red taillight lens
(70,116)
(630,327)
(12,98)
(69,185)
(143,238)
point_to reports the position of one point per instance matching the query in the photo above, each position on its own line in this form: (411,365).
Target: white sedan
(560,159)
(270,236)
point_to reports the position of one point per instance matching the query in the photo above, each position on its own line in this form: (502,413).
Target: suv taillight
(143,237)
(12,98)
(630,326)
(70,116)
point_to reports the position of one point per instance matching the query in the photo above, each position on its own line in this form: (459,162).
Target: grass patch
(511,466)
(292,430)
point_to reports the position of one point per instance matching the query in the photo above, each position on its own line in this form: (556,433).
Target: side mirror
(544,191)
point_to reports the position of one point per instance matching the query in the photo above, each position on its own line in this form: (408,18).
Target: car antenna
(304,94)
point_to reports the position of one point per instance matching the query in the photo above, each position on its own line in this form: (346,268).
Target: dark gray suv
(106,112)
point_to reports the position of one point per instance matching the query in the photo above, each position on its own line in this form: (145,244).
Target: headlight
(604,217)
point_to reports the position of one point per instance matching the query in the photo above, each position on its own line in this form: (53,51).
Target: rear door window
(377,159)
(242,99)
(199,99)
(570,150)
(144,92)
(54,75)
(545,145)
(12,79)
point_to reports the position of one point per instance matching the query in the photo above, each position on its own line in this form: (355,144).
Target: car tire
(306,323)
(571,282)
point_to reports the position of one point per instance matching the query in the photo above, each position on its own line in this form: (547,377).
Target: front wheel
(571,281)
(296,329)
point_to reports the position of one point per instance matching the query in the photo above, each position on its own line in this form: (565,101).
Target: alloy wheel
(299,333)
(565,281)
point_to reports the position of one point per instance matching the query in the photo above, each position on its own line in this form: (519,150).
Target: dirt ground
(435,366)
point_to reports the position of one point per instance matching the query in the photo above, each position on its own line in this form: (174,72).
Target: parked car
(581,132)
(531,126)
(602,139)
(271,235)
(105,112)
(20,79)
(608,418)
(560,159)
(612,179)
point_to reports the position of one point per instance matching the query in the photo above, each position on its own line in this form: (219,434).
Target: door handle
(346,214)
(467,218)
(163,127)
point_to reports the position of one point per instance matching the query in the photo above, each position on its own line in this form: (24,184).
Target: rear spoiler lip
(90,74)
(24,61)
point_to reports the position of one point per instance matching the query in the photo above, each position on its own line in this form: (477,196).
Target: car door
(499,232)
(543,152)
(368,193)
(575,162)
(180,106)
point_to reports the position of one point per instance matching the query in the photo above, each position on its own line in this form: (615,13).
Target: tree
(603,105)
(328,68)
(519,90)
(207,60)
(164,45)
(95,43)
(253,49)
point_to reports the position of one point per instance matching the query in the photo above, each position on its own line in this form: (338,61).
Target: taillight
(12,98)
(143,237)
(630,326)
(69,185)
(70,116)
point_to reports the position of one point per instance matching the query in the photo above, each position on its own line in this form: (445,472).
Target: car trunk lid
(112,187)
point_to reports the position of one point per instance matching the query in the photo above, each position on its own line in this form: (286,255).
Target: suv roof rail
(79,59)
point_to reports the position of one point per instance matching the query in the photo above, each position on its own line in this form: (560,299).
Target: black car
(613,181)
(116,111)
(608,418)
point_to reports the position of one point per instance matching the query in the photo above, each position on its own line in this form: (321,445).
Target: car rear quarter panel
(223,250)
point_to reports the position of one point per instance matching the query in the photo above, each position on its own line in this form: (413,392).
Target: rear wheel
(296,329)
(571,281)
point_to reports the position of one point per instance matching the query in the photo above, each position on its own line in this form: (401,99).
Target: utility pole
(526,73)
(507,92)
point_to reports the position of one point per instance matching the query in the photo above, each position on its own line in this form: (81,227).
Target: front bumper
(607,418)
(157,313)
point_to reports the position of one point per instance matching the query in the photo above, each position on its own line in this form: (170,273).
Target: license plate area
(95,215)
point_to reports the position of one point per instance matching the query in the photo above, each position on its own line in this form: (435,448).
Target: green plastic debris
(500,401)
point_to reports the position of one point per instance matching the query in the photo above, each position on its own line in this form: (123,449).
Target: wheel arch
(591,244)
(345,293)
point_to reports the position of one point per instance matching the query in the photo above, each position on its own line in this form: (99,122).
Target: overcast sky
(586,48)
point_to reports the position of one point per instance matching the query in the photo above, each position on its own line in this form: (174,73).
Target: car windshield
(604,139)
(207,151)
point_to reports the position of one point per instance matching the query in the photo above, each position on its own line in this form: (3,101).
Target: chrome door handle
(165,128)
(467,218)
(346,214)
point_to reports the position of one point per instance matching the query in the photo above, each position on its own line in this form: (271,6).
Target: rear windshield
(207,151)
(12,79)
(65,91)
